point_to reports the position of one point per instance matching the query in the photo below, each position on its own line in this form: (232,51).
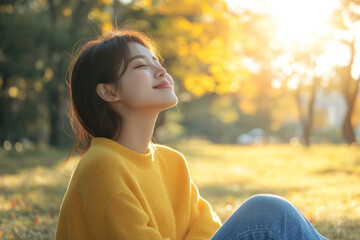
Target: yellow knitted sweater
(117,193)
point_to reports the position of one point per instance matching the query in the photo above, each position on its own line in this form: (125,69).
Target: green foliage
(209,50)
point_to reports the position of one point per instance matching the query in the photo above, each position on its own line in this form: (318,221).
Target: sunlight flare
(301,21)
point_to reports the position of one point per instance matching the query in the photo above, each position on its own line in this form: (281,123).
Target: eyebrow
(141,56)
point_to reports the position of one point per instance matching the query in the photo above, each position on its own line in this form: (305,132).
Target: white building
(334,104)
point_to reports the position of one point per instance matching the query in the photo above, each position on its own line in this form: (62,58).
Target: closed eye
(142,65)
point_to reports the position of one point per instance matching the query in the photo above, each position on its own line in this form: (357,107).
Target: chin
(171,103)
(159,104)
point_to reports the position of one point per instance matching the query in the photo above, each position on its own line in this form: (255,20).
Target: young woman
(124,186)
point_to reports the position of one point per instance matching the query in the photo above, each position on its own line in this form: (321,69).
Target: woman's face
(145,84)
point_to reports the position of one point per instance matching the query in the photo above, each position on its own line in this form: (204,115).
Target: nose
(160,72)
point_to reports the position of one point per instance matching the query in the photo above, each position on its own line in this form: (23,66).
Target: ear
(107,92)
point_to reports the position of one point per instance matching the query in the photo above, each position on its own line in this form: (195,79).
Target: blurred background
(246,72)
(268,94)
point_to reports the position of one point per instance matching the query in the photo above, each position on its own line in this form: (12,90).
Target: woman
(124,186)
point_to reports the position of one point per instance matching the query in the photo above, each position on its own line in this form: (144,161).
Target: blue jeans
(267,217)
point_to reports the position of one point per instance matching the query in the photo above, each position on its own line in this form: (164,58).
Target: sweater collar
(135,157)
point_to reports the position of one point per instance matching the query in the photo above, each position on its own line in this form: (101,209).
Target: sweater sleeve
(124,218)
(203,220)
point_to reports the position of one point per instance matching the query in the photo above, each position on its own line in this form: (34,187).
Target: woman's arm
(203,220)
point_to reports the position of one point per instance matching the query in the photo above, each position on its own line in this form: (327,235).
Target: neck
(137,130)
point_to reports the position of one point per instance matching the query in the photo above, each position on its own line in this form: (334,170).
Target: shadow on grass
(329,171)
(8,192)
(240,191)
(344,229)
(14,162)
(351,167)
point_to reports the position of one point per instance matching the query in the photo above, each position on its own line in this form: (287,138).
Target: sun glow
(301,21)
(303,26)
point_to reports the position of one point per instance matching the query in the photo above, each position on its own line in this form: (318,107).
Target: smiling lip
(163,84)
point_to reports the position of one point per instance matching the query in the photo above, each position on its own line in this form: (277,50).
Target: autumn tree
(19,74)
(201,45)
(346,19)
(36,51)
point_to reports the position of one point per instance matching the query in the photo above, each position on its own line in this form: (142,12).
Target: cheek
(136,86)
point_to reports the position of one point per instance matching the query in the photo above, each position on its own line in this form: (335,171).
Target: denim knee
(269,203)
(267,217)
(278,215)
(268,200)
(273,208)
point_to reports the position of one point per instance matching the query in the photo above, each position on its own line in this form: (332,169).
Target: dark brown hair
(103,60)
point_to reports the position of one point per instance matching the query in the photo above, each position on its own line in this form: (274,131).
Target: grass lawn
(323,182)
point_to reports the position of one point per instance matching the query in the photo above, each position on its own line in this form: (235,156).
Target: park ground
(323,181)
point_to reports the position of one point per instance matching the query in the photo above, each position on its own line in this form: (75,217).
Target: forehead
(138,49)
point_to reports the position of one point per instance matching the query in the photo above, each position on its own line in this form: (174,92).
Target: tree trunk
(307,118)
(80,12)
(115,12)
(310,121)
(53,94)
(350,91)
(347,127)
(4,111)
(82,9)
(348,130)
(54,104)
